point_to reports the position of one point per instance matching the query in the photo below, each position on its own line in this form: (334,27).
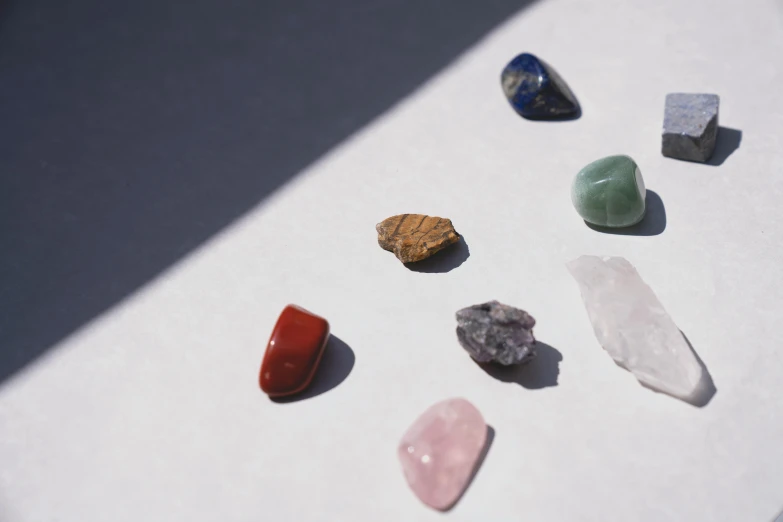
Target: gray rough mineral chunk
(496,332)
(690,126)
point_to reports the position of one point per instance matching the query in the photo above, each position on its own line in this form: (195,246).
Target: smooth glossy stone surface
(610,192)
(690,126)
(293,352)
(536,91)
(494,332)
(440,451)
(632,326)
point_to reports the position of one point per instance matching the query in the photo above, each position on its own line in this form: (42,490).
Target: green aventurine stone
(610,192)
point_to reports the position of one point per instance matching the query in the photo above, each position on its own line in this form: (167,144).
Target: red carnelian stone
(293,352)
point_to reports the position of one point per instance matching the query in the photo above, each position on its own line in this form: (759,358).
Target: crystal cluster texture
(633,327)
(690,126)
(494,332)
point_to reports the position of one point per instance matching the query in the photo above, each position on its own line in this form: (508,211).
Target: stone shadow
(541,372)
(336,364)
(654,221)
(444,261)
(727,142)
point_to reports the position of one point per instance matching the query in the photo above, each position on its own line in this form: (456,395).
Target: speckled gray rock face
(690,126)
(496,332)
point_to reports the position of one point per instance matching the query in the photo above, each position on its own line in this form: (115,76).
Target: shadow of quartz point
(705,390)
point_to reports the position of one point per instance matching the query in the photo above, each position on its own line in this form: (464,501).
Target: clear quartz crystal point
(631,324)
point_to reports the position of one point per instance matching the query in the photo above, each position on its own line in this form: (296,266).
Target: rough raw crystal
(440,451)
(536,91)
(496,332)
(631,324)
(413,237)
(610,192)
(690,126)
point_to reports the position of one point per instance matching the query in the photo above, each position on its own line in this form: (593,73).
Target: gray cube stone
(690,126)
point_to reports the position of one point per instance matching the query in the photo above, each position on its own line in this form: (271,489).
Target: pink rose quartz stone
(439,452)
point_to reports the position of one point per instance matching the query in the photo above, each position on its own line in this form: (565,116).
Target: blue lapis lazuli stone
(536,91)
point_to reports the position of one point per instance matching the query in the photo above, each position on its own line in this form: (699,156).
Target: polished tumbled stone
(610,192)
(494,332)
(294,352)
(536,91)
(690,126)
(440,451)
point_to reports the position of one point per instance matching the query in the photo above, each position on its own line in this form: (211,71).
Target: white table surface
(151,411)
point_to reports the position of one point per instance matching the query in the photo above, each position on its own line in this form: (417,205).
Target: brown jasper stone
(293,353)
(413,237)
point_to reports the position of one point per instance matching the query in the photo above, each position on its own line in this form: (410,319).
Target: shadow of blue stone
(704,391)
(568,117)
(653,223)
(727,142)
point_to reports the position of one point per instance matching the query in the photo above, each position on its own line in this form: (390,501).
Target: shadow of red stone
(337,362)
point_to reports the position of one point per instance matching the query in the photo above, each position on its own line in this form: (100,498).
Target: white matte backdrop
(152,411)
